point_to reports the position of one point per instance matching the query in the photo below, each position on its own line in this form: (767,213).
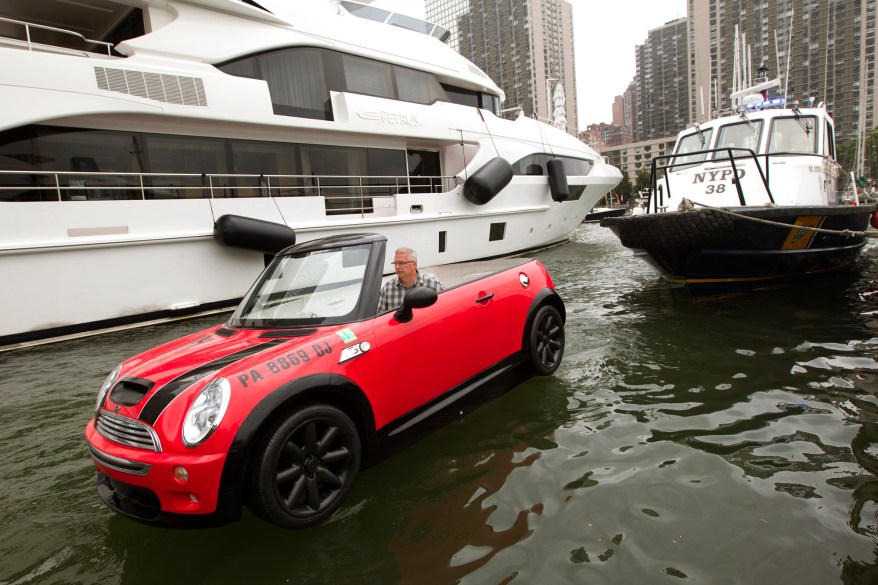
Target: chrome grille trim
(127,431)
(118,463)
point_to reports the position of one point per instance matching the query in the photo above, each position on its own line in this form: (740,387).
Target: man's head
(405,262)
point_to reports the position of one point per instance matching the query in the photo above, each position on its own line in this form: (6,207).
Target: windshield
(738,136)
(794,135)
(311,288)
(691,149)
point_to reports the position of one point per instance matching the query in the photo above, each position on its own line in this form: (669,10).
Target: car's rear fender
(546,296)
(323,388)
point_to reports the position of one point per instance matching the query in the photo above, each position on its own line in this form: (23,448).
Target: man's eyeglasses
(401,262)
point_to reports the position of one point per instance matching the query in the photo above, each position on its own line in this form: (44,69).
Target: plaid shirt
(393,291)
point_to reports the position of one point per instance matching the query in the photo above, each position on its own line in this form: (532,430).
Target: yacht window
(296,82)
(691,148)
(576,167)
(466,97)
(188,155)
(300,79)
(89,153)
(793,134)
(535,164)
(243,68)
(387,170)
(410,23)
(424,171)
(490,102)
(367,76)
(261,159)
(740,135)
(336,173)
(417,86)
(18,153)
(462,96)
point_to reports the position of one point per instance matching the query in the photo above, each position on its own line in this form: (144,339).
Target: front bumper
(141,484)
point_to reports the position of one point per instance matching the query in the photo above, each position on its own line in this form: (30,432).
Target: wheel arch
(547,296)
(334,390)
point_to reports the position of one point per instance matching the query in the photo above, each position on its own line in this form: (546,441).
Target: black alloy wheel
(545,341)
(305,467)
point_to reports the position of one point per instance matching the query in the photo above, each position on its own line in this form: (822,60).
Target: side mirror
(417,298)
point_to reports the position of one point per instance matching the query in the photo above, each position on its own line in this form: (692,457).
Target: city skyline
(597,33)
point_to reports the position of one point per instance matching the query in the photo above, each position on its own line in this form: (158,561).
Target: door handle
(485,298)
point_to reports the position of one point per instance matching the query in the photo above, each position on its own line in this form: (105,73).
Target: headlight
(206,412)
(108,383)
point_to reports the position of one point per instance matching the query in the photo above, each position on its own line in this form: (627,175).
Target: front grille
(126,431)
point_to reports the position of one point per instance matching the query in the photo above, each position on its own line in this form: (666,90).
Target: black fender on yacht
(558,180)
(237,231)
(487,181)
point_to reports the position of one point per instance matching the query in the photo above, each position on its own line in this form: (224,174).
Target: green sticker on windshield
(347,335)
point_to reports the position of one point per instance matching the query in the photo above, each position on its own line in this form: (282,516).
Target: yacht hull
(74,280)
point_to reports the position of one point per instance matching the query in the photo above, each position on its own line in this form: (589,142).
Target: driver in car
(405,263)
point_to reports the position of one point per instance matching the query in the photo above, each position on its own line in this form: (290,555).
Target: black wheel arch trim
(547,296)
(332,389)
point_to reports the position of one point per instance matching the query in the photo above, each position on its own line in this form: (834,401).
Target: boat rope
(689,205)
(274,200)
(488,130)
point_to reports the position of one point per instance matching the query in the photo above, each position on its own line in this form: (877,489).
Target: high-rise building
(823,50)
(525,46)
(618,111)
(662,81)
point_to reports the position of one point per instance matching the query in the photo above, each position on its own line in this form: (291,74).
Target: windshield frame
(321,286)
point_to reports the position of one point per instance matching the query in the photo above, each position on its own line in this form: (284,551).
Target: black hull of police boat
(719,251)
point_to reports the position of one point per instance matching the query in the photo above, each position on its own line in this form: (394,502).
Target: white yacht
(130,128)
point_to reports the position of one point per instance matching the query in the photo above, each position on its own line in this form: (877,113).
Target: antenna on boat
(786,76)
(701,99)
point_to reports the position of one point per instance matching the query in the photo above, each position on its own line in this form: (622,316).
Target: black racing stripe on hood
(161,399)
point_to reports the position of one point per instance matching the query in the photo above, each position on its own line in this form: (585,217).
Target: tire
(545,346)
(304,467)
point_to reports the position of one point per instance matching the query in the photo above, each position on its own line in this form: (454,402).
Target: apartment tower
(662,81)
(824,50)
(526,46)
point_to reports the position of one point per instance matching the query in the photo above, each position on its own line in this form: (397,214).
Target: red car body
(300,404)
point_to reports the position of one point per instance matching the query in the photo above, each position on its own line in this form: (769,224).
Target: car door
(469,328)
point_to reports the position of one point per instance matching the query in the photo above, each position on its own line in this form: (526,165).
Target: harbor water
(727,441)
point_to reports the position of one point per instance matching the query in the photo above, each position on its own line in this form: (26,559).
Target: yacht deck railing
(31,45)
(342,193)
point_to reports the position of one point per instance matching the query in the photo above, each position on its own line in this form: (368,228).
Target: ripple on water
(675,441)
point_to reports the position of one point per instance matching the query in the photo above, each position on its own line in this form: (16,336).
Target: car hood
(151,380)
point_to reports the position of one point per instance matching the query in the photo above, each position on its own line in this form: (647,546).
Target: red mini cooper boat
(280,407)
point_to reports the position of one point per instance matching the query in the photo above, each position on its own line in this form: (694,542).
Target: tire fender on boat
(489,180)
(558,180)
(237,231)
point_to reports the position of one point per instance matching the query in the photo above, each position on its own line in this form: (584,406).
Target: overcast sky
(605,33)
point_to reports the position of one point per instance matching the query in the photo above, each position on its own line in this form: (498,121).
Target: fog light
(181,474)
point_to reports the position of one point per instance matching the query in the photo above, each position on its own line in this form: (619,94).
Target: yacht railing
(31,45)
(342,193)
